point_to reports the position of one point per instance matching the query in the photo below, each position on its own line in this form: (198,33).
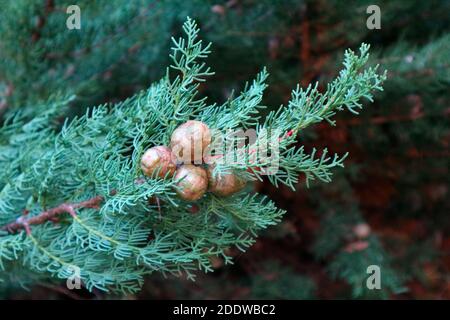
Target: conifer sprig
(97,156)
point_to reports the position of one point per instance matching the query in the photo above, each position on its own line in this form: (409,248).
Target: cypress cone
(224,185)
(190,140)
(158,158)
(193,183)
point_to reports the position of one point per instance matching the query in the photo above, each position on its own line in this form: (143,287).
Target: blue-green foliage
(98,154)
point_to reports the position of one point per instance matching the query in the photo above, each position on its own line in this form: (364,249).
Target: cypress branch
(116,237)
(24,223)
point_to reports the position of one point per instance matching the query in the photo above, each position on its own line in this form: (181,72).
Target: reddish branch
(24,223)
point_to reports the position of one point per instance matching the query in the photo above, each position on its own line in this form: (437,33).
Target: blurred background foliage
(388,207)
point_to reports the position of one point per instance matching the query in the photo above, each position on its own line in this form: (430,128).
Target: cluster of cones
(183,161)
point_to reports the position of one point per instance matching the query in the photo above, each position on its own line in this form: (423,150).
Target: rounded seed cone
(190,141)
(158,158)
(193,183)
(224,185)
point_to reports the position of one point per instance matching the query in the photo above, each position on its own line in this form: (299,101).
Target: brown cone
(193,183)
(158,158)
(190,141)
(224,185)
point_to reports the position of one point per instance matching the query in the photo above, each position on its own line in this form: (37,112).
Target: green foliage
(398,147)
(308,107)
(97,154)
(120,49)
(351,266)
